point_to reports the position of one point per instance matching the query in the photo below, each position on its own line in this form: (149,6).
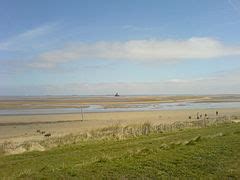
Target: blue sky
(133,47)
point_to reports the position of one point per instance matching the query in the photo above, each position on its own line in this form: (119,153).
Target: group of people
(199,116)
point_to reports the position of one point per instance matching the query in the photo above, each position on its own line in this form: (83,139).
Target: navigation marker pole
(82,112)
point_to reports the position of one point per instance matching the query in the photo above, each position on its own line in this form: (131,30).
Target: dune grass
(211,152)
(114,132)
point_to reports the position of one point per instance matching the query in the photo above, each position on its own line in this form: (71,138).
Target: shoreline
(116,108)
(65,102)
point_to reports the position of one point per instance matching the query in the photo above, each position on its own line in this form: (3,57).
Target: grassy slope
(176,154)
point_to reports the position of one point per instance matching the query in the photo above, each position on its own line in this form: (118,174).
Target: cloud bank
(139,50)
(224,83)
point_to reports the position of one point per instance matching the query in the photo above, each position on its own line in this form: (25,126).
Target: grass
(211,152)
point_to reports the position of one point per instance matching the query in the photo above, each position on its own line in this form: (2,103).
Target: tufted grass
(210,152)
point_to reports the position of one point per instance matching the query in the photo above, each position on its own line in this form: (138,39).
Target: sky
(92,47)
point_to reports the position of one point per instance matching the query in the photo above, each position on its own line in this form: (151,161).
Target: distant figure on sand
(197,115)
(216,113)
(116,95)
(47,135)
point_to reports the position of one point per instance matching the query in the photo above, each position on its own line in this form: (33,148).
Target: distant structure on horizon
(116,95)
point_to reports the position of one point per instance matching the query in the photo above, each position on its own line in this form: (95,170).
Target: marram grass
(208,152)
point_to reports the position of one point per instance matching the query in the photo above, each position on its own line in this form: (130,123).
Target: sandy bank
(22,128)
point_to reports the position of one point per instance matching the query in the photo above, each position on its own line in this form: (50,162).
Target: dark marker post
(82,113)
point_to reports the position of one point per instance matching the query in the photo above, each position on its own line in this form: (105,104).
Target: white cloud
(27,39)
(223,83)
(139,50)
(227,82)
(137,28)
(235,4)
(177,81)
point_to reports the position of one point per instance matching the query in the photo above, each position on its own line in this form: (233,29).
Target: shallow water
(131,107)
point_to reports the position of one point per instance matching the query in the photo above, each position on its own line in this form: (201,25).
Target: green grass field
(212,152)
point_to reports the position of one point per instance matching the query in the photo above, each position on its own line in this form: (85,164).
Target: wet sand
(24,127)
(106,101)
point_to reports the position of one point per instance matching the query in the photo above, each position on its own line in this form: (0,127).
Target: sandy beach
(24,127)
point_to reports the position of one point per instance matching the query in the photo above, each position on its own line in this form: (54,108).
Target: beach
(125,110)
(20,128)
